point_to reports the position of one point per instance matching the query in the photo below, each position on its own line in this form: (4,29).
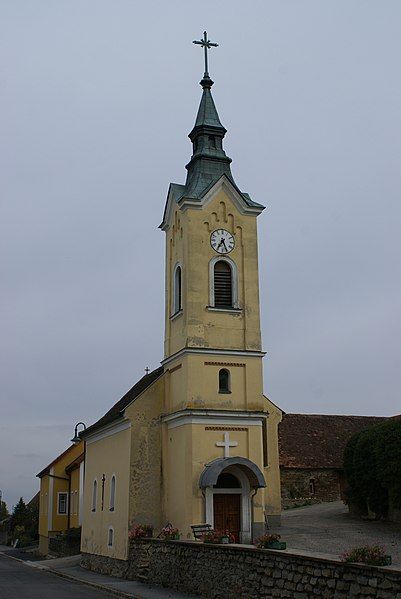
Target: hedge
(372,465)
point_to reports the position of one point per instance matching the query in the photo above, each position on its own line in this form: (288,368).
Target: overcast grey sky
(97,100)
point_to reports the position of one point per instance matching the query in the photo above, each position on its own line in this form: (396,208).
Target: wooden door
(227,513)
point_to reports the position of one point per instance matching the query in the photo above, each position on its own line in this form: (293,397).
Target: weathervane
(206,45)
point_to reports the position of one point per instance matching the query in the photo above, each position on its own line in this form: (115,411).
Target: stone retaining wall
(63,546)
(229,571)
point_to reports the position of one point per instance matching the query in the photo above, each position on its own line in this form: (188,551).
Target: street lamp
(76,439)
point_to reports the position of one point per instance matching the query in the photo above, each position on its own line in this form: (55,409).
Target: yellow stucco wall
(145,501)
(54,481)
(193,382)
(161,461)
(272,497)
(188,243)
(190,448)
(74,498)
(107,456)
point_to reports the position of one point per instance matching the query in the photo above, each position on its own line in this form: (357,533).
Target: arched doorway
(227,503)
(228,484)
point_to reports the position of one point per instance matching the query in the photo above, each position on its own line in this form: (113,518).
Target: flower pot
(388,560)
(276,545)
(225,540)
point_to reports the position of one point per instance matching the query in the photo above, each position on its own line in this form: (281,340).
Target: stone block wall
(296,486)
(63,546)
(227,571)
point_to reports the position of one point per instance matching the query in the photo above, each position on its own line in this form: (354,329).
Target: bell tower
(212,282)
(214,402)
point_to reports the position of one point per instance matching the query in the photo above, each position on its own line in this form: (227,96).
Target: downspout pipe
(252,515)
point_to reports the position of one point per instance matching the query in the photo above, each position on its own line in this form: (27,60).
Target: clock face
(222,241)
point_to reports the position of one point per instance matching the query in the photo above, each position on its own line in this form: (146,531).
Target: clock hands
(222,242)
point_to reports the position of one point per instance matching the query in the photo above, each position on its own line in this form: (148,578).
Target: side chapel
(196,440)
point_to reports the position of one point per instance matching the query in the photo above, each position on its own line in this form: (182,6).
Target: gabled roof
(75,463)
(47,469)
(177,195)
(318,440)
(117,410)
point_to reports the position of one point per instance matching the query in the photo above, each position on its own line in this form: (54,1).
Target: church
(196,440)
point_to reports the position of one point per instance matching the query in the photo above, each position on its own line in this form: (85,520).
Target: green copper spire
(208,161)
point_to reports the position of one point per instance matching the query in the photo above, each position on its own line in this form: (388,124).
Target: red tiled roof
(318,440)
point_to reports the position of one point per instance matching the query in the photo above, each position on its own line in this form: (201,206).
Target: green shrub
(373,555)
(372,466)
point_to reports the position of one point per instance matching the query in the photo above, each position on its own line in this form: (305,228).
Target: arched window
(223,285)
(112,493)
(224,381)
(110,537)
(177,289)
(94,495)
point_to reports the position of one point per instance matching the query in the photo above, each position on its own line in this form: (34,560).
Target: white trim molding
(176,295)
(212,352)
(216,417)
(50,499)
(244,491)
(81,491)
(222,183)
(66,503)
(234,280)
(108,430)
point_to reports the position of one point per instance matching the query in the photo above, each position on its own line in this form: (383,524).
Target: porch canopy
(211,473)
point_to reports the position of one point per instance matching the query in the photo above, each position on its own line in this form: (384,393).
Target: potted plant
(373,555)
(140,531)
(271,541)
(170,533)
(218,537)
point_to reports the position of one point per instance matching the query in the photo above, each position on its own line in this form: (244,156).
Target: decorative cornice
(212,352)
(216,417)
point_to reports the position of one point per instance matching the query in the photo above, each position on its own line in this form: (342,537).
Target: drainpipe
(69,502)
(252,496)
(204,505)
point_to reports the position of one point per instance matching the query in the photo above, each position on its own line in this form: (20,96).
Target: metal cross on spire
(206,45)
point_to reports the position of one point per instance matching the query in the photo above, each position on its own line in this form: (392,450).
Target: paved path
(19,581)
(328,528)
(35,580)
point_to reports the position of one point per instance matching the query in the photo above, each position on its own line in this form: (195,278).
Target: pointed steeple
(207,113)
(209,160)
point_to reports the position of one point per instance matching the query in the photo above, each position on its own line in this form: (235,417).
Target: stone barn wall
(298,484)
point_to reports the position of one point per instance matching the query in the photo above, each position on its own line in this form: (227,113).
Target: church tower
(195,441)
(220,455)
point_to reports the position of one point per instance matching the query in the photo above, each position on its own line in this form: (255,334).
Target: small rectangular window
(62,503)
(312,486)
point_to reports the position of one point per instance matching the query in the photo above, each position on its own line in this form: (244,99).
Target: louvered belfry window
(223,287)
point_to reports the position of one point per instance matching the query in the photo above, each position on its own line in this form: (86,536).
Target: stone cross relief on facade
(226,444)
